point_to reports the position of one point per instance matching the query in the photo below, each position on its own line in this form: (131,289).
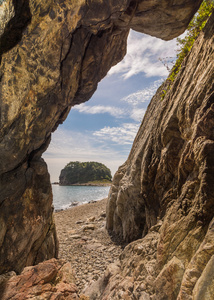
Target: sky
(103,129)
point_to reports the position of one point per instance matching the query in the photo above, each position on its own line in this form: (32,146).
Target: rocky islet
(85,173)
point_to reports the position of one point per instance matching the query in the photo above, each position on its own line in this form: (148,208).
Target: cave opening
(103,130)
(39,75)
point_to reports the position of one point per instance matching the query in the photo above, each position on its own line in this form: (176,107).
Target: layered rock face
(53,53)
(164,193)
(52,279)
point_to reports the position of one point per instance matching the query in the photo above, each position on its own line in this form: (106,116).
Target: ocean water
(64,196)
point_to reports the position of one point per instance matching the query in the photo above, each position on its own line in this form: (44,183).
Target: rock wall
(53,53)
(164,193)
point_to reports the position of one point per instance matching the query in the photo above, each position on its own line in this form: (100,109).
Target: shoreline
(65,197)
(84,184)
(77,204)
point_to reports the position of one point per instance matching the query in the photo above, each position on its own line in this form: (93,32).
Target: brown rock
(7,12)
(27,233)
(160,11)
(165,189)
(169,280)
(88,227)
(48,280)
(91,219)
(52,55)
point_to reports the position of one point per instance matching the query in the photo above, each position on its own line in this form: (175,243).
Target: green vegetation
(1,1)
(76,172)
(196,25)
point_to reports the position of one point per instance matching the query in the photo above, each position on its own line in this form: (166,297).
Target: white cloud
(144,95)
(123,135)
(100,109)
(134,109)
(137,114)
(129,112)
(143,55)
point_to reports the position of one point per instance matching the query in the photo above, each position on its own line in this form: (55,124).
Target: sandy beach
(84,241)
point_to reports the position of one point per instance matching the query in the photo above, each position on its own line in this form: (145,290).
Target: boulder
(52,279)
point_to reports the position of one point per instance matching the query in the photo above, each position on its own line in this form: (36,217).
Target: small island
(85,173)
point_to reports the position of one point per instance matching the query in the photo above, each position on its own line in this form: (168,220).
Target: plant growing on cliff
(195,26)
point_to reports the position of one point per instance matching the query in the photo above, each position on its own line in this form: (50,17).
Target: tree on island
(76,172)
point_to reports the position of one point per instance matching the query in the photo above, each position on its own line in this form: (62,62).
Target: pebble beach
(84,241)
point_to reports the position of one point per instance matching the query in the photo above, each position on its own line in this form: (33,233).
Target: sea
(68,196)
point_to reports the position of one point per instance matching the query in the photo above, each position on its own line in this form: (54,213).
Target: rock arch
(62,50)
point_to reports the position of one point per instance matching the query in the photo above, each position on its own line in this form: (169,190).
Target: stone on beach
(88,227)
(88,251)
(52,279)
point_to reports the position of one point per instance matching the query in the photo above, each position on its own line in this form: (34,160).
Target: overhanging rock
(53,54)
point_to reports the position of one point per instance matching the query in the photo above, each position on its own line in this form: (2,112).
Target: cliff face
(53,53)
(164,193)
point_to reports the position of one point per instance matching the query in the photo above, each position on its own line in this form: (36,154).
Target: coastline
(76,204)
(85,184)
(66,197)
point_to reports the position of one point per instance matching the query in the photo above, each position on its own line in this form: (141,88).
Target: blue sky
(103,129)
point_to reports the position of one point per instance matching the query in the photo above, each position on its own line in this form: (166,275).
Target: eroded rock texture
(53,53)
(52,279)
(164,193)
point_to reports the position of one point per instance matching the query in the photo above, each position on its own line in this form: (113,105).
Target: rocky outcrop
(53,53)
(53,279)
(76,172)
(27,233)
(164,193)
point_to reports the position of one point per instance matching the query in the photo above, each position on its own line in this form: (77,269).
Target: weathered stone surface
(27,227)
(53,54)
(166,187)
(150,17)
(133,276)
(7,12)
(52,279)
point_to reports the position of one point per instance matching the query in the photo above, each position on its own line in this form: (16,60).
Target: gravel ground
(84,241)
